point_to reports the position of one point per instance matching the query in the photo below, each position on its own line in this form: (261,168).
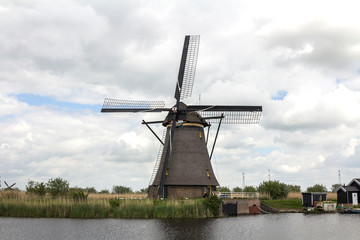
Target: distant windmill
(183,168)
(9,187)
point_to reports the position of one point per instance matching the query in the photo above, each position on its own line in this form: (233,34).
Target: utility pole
(269,174)
(339,177)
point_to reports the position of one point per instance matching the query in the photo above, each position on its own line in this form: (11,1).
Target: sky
(59,59)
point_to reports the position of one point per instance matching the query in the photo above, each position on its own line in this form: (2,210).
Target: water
(272,226)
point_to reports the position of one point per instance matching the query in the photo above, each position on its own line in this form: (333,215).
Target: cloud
(303,70)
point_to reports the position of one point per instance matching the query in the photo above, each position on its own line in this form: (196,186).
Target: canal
(272,226)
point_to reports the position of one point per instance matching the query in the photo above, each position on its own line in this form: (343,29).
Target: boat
(354,210)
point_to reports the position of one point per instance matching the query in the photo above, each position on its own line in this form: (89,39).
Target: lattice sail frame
(232,117)
(190,66)
(110,103)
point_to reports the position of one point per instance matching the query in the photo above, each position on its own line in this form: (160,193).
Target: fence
(238,195)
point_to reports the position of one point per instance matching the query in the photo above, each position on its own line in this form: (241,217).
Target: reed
(298,195)
(22,205)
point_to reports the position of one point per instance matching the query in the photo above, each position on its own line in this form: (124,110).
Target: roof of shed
(348,189)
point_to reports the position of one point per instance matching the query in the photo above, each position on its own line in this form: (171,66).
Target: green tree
(237,189)
(104,191)
(57,187)
(90,190)
(38,188)
(334,187)
(274,188)
(293,188)
(222,189)
(317,188)
(249,189)
(144,190)
(121,189)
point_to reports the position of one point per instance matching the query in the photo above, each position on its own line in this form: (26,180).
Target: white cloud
(82,51)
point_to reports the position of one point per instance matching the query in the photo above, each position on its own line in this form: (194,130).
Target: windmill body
(184,169)
(189,172)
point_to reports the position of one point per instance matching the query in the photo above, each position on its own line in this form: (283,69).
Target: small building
(308,198)
(349,194)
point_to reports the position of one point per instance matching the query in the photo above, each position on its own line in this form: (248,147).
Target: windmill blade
(12,185)
(6,184)
(187,69)
(232,114)
(116,105)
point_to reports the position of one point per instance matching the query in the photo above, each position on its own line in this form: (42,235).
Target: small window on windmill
(200,134)
(167,172)
(207,173)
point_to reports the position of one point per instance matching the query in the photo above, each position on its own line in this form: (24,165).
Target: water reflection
(276,226)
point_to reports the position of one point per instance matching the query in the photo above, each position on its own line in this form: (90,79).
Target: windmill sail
(232,114)
(116,105)
(187,68)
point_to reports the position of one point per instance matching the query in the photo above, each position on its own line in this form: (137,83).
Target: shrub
(212,203)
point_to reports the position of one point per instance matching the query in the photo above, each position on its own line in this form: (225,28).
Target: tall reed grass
(18,204)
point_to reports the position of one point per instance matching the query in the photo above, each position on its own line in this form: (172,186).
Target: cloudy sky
(300,60)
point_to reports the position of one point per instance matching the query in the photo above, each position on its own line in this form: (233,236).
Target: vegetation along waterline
(17,204)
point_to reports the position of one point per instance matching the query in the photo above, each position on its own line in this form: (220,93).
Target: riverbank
(136,206)
(14,204)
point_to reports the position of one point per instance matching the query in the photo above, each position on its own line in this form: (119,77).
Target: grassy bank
(285,204)
(22,205)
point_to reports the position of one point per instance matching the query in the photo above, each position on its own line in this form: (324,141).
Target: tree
(57,187)
(121,189)
(237,189)
(293,188)
(144,190)
(249,189)
(90,190)
(317,188)
(104,191)
(222,189)
(274,188)
(334,187)
(38,188)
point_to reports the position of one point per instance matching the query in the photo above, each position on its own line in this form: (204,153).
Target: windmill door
(166,190)
(355,198)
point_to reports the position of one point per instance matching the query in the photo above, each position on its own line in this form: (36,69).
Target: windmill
(9,187)
(183,168)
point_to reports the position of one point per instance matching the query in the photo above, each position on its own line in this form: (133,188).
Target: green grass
(284,204)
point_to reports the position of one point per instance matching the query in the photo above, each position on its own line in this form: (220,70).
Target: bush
(274,188)
(212,203)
